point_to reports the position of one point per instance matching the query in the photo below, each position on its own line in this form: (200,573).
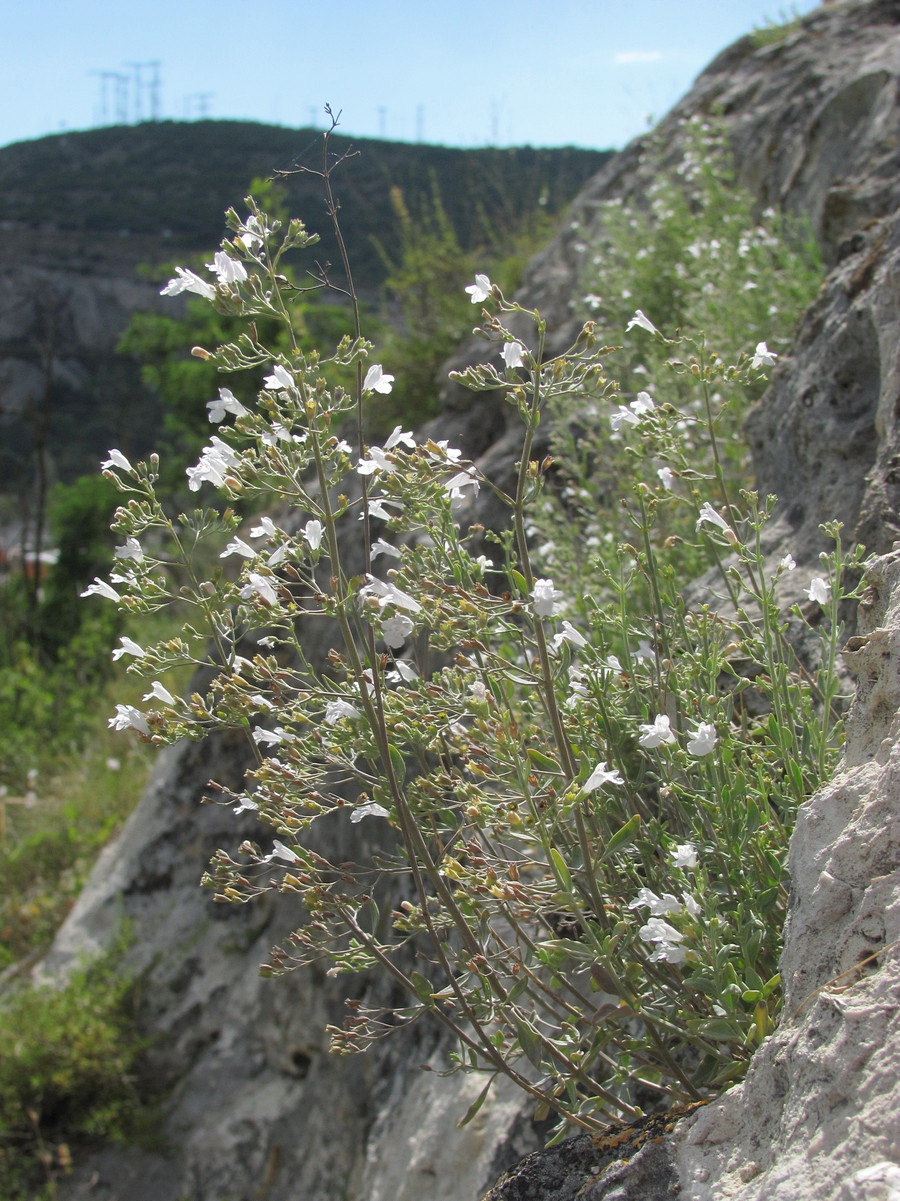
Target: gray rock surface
(257,1110)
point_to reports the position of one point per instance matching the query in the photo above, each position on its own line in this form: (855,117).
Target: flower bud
(200,353)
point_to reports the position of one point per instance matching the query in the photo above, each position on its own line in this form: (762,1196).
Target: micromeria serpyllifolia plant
(561,816)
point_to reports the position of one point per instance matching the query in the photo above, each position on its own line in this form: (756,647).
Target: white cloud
(627,57)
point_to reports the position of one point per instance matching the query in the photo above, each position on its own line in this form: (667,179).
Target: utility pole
(420,122)
(382,121)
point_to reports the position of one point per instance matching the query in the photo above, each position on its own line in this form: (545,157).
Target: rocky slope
(258,1111)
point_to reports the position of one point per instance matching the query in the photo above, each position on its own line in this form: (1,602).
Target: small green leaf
(423,988)
(541,760)
(476,1105)
(519,580)
(398,764)
(623,836)
(528,1040)
(562,872)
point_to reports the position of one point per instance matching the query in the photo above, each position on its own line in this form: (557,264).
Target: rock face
(58,334)
(257,1110)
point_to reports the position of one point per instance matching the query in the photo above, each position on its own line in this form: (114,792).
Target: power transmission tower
(155,89)
(198,101)
(120,83)
(138,109)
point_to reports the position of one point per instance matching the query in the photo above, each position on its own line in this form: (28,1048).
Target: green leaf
(541,760)
(623,836)
(423,988)
(528,1040)
(562,872)
(398,764)
(519,580)
(476,1104)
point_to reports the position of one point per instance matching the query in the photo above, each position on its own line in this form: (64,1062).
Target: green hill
(112,197)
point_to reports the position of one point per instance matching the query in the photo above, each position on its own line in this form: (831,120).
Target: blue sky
(465,73)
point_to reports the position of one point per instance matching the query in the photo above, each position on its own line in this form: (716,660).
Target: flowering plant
(563,813)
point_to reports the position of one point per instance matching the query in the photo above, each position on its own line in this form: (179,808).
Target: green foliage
(68,1059)
(427,282)
(771,32)
(697,254)
(54,661)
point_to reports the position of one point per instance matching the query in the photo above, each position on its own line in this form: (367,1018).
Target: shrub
(588,788)
(68,1058)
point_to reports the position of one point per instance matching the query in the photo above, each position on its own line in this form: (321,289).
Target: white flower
(187,281)
(708,513)
(645,652)
(703,739)
(244,804)
(215,461)
(252,235)
(113,764)
(643,322)
(229,270)
(280,378)
(600,776)
(128,647)
(226,402)
(684,855)
(237,546)
(396,630)
(398,435)
(614,664)
(462,479)
(478,691)
(378,461)
(127,717)
(370,809)
(787,563)
(656,734)
(266,527)
(116,459)
(388,594)
(691,905)
(101,588)
(657,930)
(377,381)
(819,590)
(512,354)
(131,550)
(380,547)
(667,903)
(763,357)
(377,508)
(262,736)
(666,476)
(480,290)
(280,851)
(401,671)
(623,416)
(667,939)
(569,634)
(312,532)
(643,404)
(258,586)
(335,710)
(544,597)
(160,693)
